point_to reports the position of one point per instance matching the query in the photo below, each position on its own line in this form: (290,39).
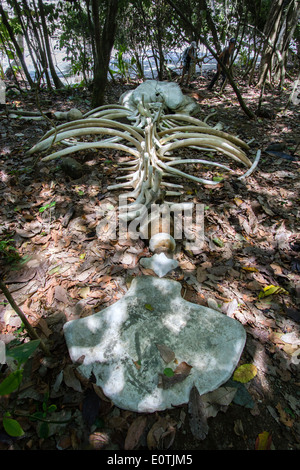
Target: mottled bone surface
(159,122)
(118,345)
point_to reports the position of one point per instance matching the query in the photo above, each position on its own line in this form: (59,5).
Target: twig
(32,333)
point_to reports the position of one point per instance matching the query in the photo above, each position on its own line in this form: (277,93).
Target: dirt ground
(66,271)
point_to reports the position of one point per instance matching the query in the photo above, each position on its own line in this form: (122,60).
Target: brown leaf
(42,324)
(180,373)
(166,353)
(118,423)
(217,400)
(238,428)
(70,379)
(99,440)
(60,294)
(198,421)
(50,295)
(183,368)
(284,417)
(159,431)
(21,276)
(135,433)
(167,438)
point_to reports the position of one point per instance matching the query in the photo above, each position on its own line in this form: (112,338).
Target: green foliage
(168,372)
(47,206)
(75,38)
(11,382)
(41,415)
(19,355)
(11,426)
(8,253)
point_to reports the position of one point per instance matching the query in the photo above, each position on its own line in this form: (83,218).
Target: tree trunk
(17,47)
(39,50)
(103,43)
(25,33)
(289,25)
(56,80)
(271,31)
(243,105)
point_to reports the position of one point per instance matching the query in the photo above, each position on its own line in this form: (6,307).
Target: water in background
(63,67)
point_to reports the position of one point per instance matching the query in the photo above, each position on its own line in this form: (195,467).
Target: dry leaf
(222,396)
(238,428)
(137,364)
(84,292)
(99,440)
(166,353)
(198,421)
(183,368)
(135,433)
(42,324)
(159,431)
(118,423)
(70,379)
(60,294)
(263,441)
(180,373)
(284,417)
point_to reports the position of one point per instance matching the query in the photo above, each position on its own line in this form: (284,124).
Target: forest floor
(66,271)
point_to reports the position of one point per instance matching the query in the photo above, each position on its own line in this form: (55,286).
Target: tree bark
(243,105)
(271,31)
(103,40)
(57,82)
(288,27)
(39,50)
(17,47)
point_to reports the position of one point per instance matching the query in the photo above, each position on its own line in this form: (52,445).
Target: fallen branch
(30,330)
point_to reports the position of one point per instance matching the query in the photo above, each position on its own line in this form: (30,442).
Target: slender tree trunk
(39,50)
(56,80)
(25,33)
(287,31)
(17,47)
(271,32)
(243,105)
(103,43)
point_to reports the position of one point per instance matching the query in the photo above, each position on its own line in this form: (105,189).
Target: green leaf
(168,372)
(23,352)
(245,373)
(43,430)
(149,307)
(11,382)
(12,427)
(52,408)
(270,290)
(37,415)
(263,441)
(43,208)
(218,242)
(218,178)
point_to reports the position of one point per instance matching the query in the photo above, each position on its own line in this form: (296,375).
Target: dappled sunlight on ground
(251,242)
